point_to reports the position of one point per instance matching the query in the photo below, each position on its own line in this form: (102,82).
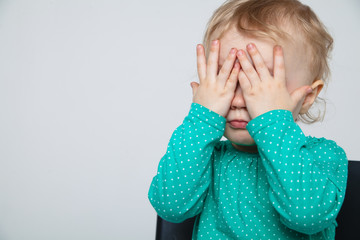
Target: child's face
(297,75)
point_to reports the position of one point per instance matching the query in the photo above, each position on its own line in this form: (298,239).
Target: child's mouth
(238,124)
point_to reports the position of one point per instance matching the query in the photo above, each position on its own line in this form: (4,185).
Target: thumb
(194,86)
(301,93)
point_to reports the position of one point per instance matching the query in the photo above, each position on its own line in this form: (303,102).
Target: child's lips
(238,124)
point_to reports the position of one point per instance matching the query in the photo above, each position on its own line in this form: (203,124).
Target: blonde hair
(266,19)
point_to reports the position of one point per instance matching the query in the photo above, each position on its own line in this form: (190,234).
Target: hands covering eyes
(262,91)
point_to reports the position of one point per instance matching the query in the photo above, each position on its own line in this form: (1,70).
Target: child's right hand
(215,91)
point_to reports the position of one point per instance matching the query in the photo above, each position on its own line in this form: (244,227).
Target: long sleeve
(307,177)
(184,173)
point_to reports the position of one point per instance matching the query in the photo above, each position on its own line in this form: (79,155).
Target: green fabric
(292,189)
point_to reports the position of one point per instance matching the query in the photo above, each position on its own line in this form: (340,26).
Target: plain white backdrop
(90,93)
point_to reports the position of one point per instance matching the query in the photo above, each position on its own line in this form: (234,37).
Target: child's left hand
(262,91)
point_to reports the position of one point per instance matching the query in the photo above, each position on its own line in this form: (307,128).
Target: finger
(227,67)
(247,67)
(213,60)
(194,86)
(300,93)
(258,61)
(201,62)
(279,64)
(245,84)
(233,79)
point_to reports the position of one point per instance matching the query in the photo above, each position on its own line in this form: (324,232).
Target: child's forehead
(232,38)
(289,34)
(240,41)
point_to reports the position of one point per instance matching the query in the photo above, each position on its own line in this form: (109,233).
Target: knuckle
(223,71)
(247,67)
(213,48)
(281,66)
(279,84)
(212,59)
(261,65)
(251,92)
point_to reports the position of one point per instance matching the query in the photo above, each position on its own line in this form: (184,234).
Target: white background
(90,93)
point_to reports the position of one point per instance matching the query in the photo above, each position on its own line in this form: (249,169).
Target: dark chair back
(174,231)
(348,219)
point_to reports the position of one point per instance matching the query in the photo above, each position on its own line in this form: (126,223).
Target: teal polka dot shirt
(293,188)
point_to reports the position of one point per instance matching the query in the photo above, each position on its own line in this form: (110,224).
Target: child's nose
(238,100)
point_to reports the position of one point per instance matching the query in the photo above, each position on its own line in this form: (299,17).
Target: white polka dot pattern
(292,189)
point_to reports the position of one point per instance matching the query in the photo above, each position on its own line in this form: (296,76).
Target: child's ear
(317,86)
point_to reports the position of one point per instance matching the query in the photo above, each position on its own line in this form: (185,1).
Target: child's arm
(178,190)
(184,174)
(307,177)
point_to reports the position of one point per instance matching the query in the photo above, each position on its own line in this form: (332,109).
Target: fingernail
(214,42)
(278,48)
(240,53)
(309,90)
(250,46)
(233,51)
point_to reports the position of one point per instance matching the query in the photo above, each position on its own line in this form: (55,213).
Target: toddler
(265,64)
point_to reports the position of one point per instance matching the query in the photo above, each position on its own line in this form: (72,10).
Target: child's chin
(243,143)
(239,137)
